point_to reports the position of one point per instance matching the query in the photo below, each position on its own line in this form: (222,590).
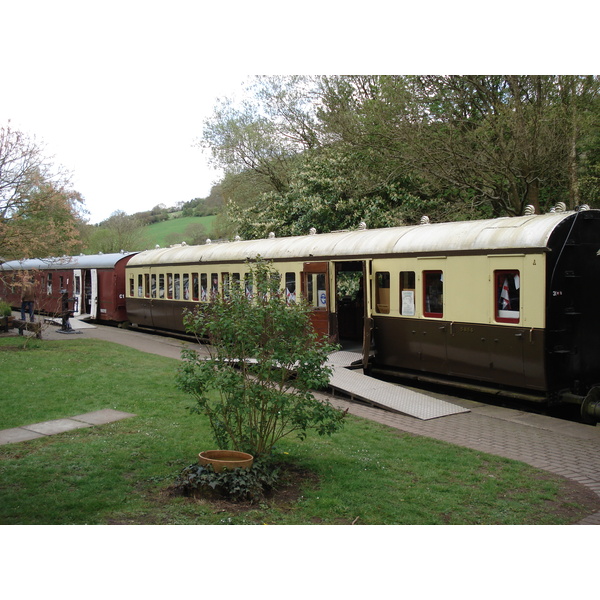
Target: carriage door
(349,314)
(89,304)
(94,296)
(315,288)
(77,293)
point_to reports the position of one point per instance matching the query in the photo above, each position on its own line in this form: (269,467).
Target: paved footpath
(561,447)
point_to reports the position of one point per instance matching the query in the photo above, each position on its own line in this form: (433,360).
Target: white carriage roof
(531,231)
(84,261)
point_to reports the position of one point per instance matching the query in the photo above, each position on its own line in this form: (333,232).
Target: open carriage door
(315,288)
(349,314)
(368,320)
(94,294)
(77,293)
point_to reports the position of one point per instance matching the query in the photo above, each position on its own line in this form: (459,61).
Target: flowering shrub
(264,360)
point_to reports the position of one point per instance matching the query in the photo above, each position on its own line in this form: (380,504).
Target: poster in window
(408,303)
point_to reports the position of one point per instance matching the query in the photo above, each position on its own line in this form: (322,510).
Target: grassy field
(123,472)
(158,232)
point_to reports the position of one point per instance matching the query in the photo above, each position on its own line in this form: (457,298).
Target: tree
(329,192)
(265,359)
(303,152)
(119,232)
(264,132)
(495,143)
(38,209)
(195,233)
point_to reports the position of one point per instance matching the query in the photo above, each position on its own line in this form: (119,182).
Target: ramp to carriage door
(396,398)
(315,288)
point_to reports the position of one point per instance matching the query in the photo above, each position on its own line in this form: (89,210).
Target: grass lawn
(122,472)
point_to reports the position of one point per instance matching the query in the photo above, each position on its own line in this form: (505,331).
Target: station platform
(565,448)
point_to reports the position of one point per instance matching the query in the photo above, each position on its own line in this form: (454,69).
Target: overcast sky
(117,90)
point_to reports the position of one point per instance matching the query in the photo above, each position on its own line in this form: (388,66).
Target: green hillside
(160,233)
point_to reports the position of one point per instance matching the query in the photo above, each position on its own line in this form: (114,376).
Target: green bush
(264,361)
(5,309)
(236,484)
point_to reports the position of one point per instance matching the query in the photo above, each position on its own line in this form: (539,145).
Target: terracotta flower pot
(225,459)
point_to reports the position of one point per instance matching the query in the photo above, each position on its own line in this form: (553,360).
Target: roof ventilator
(529,210)
(559,208)
(425,220)
(312,231)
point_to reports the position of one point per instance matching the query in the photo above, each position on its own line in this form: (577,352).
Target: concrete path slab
(45,428)
(55,426)
(18,434)
(101,417)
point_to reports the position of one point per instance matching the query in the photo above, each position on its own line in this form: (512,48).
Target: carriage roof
(509,233)
(84,261)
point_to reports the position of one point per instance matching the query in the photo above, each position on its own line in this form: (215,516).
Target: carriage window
(214,285)
(177,286)
(507,296)
(169,286)
(147,285)
(131,286)
(290,287)
(153,285)
(195,286)
(316,289)
(382,292)
(161,285)
(249,285)
(49,284)
(186,286)
(407,293)
(140,286)
(203,287)
(433,283)
(225,279)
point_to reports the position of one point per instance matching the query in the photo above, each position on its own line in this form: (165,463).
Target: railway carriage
(94,283)
(507,305)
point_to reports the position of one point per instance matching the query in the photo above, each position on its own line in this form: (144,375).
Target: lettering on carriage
(465,329)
